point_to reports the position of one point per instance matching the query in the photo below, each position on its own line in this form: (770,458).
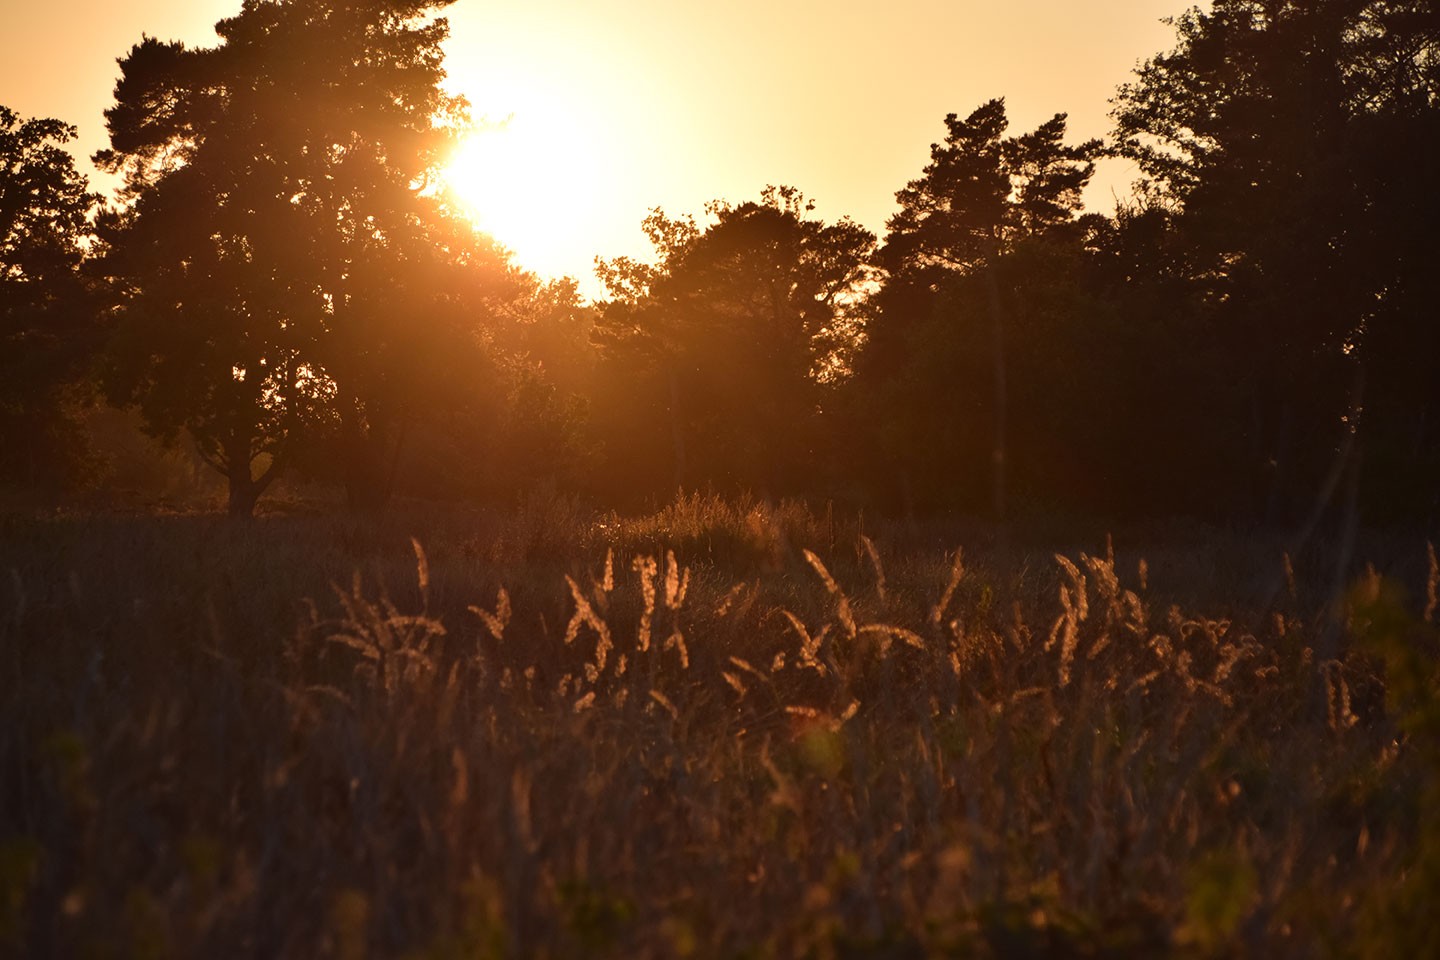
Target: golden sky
(625,105)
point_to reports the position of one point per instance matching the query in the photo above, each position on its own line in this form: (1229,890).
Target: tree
(983,192)
(1169,423)
(981,197)
(741,328)
(46,318)
(285,271)
(520,419)
(216,320)
(547,362)
(1283,135)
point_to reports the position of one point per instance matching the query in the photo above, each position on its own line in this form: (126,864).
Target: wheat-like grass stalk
(495,622)
(585,616)
(646,567)
(677,582)
(842,602)
(957,570)
(676,642)
(874,556)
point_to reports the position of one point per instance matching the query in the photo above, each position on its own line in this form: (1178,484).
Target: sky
(601,111)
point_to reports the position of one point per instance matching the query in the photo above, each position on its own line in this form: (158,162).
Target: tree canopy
(1285,136)
(279,241)
(938,359)
(46,315)
(983,192)
(283,280)
(742,326)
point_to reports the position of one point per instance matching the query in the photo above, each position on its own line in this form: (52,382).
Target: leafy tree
(548,368)
(1160,405)
(216,321)
(285,272)
(982,197)
(739,330)
(1281,133)
(983,192)
(46,315)
(521,417)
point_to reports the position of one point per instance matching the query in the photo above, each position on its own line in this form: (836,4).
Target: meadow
(727,729)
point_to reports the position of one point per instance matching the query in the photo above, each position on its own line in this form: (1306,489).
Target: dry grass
(729,730)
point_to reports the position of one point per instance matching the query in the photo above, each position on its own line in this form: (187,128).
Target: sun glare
(524,180)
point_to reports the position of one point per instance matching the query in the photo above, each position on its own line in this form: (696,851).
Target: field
(728,730)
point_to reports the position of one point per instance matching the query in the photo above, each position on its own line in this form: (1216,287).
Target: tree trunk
(364,490)
(245,489)
(243,496)
(1277,507)
(360,464)
(1000,452)
(677,430)
(372,462)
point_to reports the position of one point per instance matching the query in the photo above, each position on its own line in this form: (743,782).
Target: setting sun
(525,180)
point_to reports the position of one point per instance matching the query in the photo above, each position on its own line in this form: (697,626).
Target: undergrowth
(731,730)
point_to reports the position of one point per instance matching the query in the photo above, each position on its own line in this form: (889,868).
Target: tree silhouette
(1280,132)
(1160,403)
(741,328)
(216,319)
(284,270)
(543,432)
(519,416)
(46,315)
(982,195)
(982,192)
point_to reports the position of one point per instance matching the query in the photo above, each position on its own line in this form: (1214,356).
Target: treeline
(1251,336)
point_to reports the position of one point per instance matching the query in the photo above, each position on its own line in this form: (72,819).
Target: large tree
(1289,138)
(46,317)
(937,357)
(737,332)
(285,269)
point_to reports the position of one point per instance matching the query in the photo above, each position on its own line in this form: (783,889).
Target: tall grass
(729,730)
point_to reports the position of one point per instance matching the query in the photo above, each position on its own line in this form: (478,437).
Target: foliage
(1281,132)
(956,291)
(1401,918)
(521,417)
(745,322)
(46,322)
(291,290)
(282,272)
(982,192)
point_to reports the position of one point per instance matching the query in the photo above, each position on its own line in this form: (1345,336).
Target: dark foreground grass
(729,730)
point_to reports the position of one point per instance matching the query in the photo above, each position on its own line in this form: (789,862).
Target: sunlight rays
(526,175)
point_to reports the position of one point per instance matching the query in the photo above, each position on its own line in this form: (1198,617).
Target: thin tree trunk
(1349,522)
(365,462)
(388,492)
(999,453)
(365,473)
(243,493)
(1345,464)
(1348,462)
(1276,508)
(677,430)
